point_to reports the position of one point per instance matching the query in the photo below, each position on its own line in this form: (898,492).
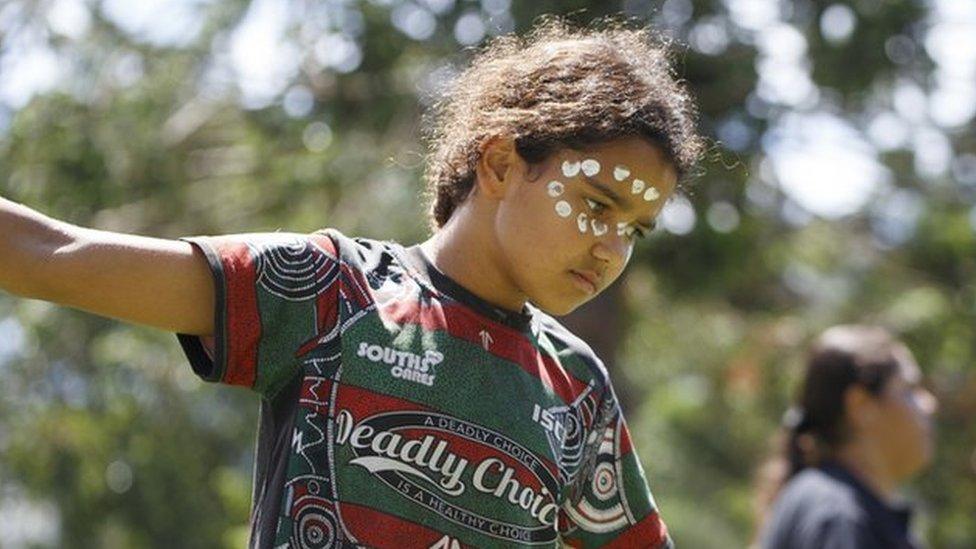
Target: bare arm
(161,283)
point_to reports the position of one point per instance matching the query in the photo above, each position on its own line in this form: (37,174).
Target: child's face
(568,227)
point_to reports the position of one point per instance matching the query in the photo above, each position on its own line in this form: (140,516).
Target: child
(422,396)
(862,427)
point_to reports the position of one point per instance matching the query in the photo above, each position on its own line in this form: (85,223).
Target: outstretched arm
(155,282)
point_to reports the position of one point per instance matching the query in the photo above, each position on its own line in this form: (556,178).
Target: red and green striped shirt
(400,410)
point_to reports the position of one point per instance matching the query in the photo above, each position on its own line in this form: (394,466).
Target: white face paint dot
(621,229)
(599,227)
(563,208)
(637,186)
(555,188)
(590,167)
(570,169)
(651,194)
(581,222)
(621,172)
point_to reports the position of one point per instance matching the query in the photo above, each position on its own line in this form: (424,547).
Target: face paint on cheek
(599,227)
(621,172)
(637,186)
(651,194)
(621,229)
(581,222)
(555,188)
(563,209)
(570,169)
(590,167)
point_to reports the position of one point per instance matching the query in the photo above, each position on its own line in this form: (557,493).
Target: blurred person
(423,396)
(861,428)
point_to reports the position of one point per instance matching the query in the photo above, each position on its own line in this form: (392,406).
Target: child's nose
(612,248)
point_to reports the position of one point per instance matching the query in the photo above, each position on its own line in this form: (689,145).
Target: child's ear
(498,164)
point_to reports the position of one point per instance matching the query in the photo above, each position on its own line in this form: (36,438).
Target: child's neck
(465,250)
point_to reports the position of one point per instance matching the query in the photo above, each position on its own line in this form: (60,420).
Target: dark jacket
(828,508)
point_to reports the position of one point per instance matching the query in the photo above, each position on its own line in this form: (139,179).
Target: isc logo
(549,422)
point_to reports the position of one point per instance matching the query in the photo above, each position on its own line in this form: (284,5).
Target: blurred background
(840,186)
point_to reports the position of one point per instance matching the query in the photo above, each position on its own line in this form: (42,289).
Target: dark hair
(814,428)
(557,87)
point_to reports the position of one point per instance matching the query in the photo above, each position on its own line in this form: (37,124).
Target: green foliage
(108,423)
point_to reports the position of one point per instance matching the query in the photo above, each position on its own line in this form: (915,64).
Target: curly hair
(557,87)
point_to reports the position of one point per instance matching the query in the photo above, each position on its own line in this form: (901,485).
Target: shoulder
(358,249)
(571,350)
(821,493)
(375,260)
(816,509)
(303,265)
(305,253)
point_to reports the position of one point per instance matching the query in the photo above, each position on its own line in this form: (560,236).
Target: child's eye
(632,232)
(595,207)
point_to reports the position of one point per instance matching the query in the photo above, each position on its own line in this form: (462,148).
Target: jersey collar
(444,284)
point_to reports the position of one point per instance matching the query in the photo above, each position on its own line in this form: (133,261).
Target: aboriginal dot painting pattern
(591,167)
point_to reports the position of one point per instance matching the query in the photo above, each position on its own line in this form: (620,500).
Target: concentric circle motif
(573,427)
(295,271)
(604,481)
(315,527)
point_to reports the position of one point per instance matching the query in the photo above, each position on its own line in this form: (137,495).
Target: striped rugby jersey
(400,410)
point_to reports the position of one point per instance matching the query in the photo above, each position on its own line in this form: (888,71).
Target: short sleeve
(276,295)
(610,504)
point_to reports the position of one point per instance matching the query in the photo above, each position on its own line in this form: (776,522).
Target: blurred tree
(229,116)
